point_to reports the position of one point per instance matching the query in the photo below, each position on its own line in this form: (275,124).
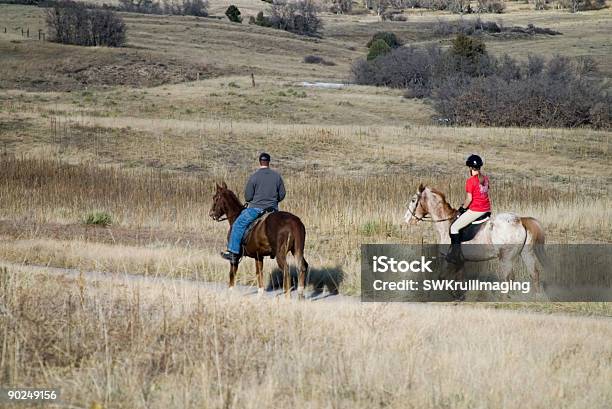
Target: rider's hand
(461,209)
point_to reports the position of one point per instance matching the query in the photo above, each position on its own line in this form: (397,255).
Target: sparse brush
(98,218)
(377,228)
(315,59)
(387,36)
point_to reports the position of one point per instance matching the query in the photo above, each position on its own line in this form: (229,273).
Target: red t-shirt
(480,194)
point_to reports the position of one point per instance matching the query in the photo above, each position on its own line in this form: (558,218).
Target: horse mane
(231,197)
(445,204)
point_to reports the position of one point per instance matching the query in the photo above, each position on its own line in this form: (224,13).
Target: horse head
(416,206)
(428,204)
(219,206)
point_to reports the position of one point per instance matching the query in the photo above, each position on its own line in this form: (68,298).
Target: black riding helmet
(474,161)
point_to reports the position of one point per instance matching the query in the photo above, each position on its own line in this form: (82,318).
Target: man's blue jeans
(240,226)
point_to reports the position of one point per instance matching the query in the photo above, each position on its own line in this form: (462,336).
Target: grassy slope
(242,48)
(216,126)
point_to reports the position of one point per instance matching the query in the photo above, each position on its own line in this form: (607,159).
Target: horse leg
(529,258)
(508,255)
(505,268)
(459,275)
(259,271)
(297,249)
(302,270)
(232,276)
(281,260)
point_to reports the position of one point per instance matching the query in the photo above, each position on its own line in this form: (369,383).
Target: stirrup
(454,259)
(233,258)
(455,256)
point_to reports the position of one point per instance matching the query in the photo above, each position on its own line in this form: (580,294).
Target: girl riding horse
(475,205)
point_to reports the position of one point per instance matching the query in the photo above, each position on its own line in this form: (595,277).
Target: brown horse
(275,236)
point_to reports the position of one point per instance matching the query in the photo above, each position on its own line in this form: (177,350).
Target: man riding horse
(263,192)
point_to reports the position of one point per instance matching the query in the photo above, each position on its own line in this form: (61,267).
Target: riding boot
(233,258)
(455,255)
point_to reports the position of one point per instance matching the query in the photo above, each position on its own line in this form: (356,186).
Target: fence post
(28,32)
(39,32)
(22,32)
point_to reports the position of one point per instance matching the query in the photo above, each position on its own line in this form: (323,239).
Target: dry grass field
(147,148)
(119,344)
(142,133)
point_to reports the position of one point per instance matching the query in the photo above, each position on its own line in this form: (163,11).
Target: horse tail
(299,242)
(535,237)
(535,232)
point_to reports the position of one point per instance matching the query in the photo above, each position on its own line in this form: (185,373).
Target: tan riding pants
(466,218)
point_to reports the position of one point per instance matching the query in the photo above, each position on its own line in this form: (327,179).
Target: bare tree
(340,6)
(581,5)
(175,7)
(70,22)
(141,6)
(298,17)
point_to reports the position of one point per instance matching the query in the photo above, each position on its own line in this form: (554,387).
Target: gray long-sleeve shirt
(264,189)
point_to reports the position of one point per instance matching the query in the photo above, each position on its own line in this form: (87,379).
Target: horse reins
(224,218)
(423,219)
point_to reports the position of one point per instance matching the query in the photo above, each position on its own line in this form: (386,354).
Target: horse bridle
(427,217)
(220,219)
(223,218)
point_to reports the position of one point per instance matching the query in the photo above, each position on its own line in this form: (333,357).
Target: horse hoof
(260,292)
(458,295)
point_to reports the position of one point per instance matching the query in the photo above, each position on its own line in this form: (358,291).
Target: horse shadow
(318,278)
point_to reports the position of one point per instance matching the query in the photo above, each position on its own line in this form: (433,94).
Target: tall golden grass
(123,344)
(47,190)
(340,213)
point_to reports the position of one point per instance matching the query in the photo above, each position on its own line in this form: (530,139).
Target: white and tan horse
(505,236)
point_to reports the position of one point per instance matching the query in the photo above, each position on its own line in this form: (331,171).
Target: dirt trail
(246,291)
(243,290)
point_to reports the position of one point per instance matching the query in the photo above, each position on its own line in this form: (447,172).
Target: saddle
(255,222)
(470,231)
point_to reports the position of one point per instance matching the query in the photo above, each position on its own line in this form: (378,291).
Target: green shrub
(378,48)
(98,219)
(233,14)
(375,228)
(387,36)
(467,47)
(470,54)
